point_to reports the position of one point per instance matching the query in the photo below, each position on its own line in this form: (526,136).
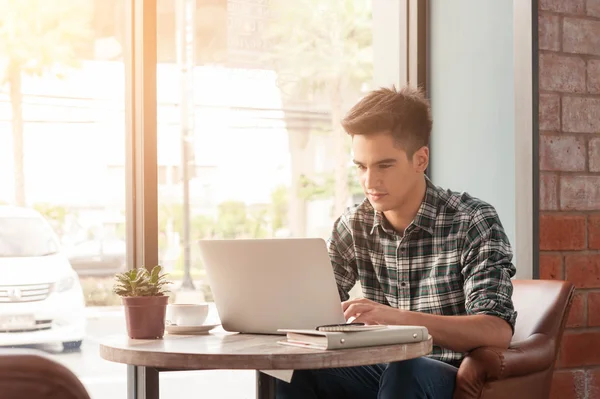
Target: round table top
(222,350)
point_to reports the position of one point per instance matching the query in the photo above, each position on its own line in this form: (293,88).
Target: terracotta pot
(145,316)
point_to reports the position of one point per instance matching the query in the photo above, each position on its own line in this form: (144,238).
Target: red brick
(593,383)
(549,112)
(551,267)
(548,191)
(580,349)
(562,232)
(593,309)
(568,6)
(562,73)
(579,192)
(581,36)
(583,270)
(562,153)
(549,36)
(593,8)
(593,74)
(577,313)
(594,155)
(594,231)
(580,114)
(568,384)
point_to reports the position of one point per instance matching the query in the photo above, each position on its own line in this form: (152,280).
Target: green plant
(140,282)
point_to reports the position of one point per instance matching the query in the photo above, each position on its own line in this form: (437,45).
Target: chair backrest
(542,307)
(30,374)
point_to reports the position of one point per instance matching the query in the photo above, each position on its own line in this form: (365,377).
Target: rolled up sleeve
(488,268)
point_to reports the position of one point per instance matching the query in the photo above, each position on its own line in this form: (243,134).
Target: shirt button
(403,284)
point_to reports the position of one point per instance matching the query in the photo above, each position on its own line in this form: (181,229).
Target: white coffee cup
(184,314)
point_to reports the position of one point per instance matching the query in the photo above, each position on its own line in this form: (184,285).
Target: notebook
(390,335)
(349,328)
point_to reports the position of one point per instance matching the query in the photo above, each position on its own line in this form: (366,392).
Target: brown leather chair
(525,369)
(30,374)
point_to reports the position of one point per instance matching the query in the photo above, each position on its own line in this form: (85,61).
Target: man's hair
(405,113)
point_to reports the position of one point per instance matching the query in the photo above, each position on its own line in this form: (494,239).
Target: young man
(423,255)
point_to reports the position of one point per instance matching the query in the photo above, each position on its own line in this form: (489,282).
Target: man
(423,255)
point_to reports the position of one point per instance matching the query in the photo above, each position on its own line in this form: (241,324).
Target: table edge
(275,361)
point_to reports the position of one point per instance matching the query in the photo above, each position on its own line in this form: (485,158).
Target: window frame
(141,168)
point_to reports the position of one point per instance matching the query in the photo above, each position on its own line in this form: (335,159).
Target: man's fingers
(347,303)
(364,318)
(356,309)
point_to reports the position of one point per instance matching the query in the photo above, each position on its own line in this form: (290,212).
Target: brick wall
(569,62)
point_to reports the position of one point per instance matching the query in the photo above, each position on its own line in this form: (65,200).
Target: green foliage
(98,291)
(279,207)
(55,215)
(234,220)
(322,53)
(322,186)
(40,35)
(140,282)
(317,43)
(202,226)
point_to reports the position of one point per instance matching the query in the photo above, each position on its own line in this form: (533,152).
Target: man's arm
(463,333)
(487,269)
(457,333)
(341,252)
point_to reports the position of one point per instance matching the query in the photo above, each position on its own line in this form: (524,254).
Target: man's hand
(370,312)
(457,333)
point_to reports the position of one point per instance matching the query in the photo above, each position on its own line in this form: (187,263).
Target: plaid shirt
(453,259)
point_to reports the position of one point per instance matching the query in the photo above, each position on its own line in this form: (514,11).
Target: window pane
(456,146)
(255,114)
(250,97)
(62,180)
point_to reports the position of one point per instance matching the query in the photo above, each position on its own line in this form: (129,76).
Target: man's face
(386,174)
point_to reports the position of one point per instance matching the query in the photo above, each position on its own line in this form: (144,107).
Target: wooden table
(221,350)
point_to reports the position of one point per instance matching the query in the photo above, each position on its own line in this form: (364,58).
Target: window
(234,136)
(62,118)
(248,110)
(251,103)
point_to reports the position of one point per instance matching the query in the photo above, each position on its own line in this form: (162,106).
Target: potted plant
(145,302)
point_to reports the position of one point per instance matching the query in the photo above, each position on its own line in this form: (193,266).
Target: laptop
(262,285)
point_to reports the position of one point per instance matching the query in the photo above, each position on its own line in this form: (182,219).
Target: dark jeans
(420,378)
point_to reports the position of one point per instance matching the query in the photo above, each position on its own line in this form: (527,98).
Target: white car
(41,300)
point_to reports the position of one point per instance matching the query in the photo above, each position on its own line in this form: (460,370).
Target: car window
(25,237)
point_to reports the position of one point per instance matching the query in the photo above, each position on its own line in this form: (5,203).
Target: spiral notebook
(349,328)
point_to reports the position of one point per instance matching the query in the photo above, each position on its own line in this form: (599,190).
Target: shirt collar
(425,217)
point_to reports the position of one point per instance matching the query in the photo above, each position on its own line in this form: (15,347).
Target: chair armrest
(487,364)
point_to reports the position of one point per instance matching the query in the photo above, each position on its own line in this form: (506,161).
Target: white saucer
(190,330)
